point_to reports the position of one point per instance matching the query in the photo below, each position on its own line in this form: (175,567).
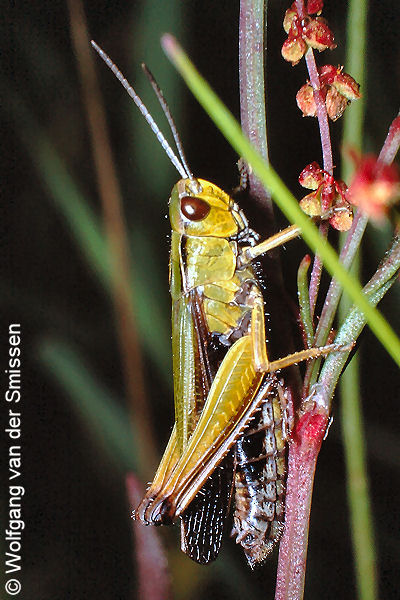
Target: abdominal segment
(260,480)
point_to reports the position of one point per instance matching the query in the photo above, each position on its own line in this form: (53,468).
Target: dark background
(76,444)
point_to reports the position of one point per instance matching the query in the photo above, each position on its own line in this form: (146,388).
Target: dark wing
(203,522)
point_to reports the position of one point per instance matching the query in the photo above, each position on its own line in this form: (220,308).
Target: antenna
(181,168)
(167,113)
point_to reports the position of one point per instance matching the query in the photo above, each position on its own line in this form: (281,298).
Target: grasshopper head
(200,208)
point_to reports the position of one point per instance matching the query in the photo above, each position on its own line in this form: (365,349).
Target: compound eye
(194,209)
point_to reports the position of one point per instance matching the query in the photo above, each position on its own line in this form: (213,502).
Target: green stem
(252,90)
(362,529)
(304,301)
(350,330)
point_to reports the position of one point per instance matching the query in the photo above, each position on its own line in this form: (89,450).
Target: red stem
(311,426)
(392,143)
(303,452)
(322,115)
(327,166)
(326,156)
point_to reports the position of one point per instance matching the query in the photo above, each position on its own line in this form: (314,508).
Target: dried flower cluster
(374,188)
(327,192)
(338,90)
(304,33)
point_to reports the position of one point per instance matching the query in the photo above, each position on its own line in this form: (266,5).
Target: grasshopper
(231,423)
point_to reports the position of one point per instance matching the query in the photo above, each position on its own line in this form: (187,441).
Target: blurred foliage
(54,280)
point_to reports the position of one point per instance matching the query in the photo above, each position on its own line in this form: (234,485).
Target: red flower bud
(314,7)
(312,176)
(290,15)
(328,73)
(341,188)
(305,101)
(318,35)
(342,217)
(347,86)
(311,204)
(335,104)
(293,49)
